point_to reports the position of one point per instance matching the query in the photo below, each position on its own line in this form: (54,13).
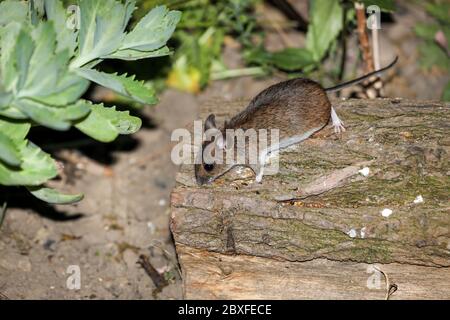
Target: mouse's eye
(208,167)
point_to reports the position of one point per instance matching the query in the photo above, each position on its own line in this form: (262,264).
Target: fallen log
(346,216)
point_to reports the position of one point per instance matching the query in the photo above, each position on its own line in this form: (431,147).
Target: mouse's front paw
(259,176)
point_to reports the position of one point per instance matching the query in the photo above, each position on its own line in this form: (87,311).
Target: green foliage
(201,34)
(385,5)
(434,52)
(325,26)
(326,23)
(46,66)
(446,94)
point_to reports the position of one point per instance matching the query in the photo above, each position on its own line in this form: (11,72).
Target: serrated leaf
(12,11)
(8,151)
(152,31)
(105,124)
(36,168)
(15,130)
(53,196)
(102,25)
(122,84)
(325,26)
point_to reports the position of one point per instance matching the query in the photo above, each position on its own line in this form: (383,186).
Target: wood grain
(289,237)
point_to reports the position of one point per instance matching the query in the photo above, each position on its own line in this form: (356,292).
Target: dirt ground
(127,187)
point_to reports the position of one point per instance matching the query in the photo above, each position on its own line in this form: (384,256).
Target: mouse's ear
(210,122)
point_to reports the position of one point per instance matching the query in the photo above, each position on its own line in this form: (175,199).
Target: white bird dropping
(386,212)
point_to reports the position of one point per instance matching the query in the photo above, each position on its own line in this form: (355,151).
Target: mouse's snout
(201,175)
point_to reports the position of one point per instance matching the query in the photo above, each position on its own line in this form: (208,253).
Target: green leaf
(53,196)
(105,124)
(67,90)
(36,168)
(385,5)
(15,130)
(58,118)
(8,70)
(42,66)
(102,25)
(289,59)
(152,31)
(12,11)
(22,54)
(130,54)
(440,11)
(325,26)
(446,93)
(292,59)
(66,37)
(122,84)
(5,99)
(9,153)
(426,31)
(13,113)
(433,55)
(51,117)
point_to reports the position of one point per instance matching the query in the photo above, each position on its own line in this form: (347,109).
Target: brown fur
(293,107)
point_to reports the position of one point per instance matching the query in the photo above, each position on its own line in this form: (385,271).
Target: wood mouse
(297,108)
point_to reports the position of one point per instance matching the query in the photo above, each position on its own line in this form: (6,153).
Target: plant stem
(253,71)
(363,37)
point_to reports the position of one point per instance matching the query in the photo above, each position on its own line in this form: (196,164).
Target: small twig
(325,183)
(363,37)
(390,288)
(159,281)
(3,213)
(3,297)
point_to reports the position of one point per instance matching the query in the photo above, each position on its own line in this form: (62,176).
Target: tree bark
(316,229)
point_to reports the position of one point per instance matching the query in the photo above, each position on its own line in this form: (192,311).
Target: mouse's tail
(361,79)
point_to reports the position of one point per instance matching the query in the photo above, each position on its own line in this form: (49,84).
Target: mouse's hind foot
(337,123)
